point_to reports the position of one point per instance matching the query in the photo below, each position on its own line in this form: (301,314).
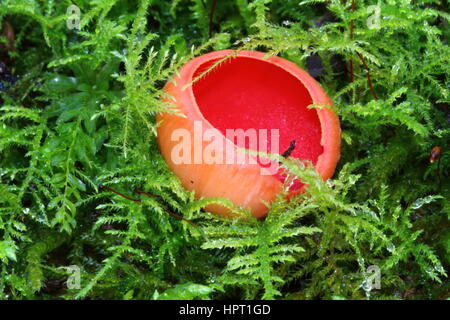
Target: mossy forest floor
(79,90)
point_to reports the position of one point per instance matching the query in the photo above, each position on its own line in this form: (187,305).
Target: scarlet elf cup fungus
(225,101)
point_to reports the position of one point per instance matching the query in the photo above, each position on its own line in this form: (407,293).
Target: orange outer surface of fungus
(243,184)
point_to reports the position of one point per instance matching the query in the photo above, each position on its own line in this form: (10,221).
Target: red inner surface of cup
(245,93)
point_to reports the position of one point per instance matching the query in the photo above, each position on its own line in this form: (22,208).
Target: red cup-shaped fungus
(225,101)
